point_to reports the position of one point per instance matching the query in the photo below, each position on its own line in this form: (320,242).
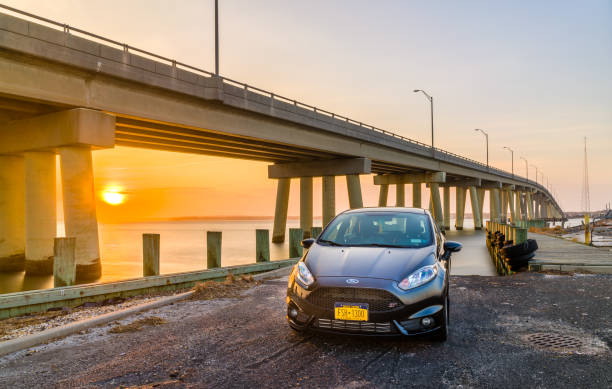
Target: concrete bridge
(65,91)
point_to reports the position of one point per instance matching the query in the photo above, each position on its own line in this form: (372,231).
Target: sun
(112,197)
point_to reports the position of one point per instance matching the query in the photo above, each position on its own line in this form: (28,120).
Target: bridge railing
(436,152)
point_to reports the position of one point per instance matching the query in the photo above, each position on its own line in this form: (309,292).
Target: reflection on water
(183,248)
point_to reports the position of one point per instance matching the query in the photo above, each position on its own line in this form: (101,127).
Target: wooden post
(520,235)
(316,231)
(295,238)
(64,262)
(150,255)
(262,246)
(213,249)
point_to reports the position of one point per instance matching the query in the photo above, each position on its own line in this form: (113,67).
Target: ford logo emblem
(352,281)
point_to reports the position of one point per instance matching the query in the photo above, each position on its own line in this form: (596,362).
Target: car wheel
(442,334)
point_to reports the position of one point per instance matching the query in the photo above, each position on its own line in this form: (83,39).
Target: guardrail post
(262,245)
(213,249)
(64,262)
(295,237)
(150,255)
(520,235)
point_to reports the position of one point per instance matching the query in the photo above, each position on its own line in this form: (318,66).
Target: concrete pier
(513,217)
(530,213)
(329,198)
(12,209)
(383,195)
(416,195)
(40,212)
(436,203)
(400,195)
(280,212)
(306,207)
(476,208)
(446,217)
(460,207)
(80,209)
(354,191)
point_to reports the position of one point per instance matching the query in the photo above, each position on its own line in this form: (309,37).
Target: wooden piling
(262,245)
(213,249)
(520,235)
(64,262)
(150,255)
(295,238)
(316,231)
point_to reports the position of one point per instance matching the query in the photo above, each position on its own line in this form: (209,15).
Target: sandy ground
(245,342)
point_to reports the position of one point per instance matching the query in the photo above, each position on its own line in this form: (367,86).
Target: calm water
(183,248)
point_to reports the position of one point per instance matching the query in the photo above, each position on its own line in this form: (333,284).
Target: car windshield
(379,229)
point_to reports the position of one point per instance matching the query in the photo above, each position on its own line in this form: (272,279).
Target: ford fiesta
(374,271)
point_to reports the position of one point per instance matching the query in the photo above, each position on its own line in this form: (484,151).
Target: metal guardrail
(67,29)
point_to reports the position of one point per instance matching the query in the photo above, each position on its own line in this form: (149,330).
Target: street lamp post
(487,138)
(216,37)
(536,168)
(526,168)
(511,152)
(430,98)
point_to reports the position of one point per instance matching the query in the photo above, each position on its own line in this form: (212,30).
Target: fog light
(426,321)
(293,313)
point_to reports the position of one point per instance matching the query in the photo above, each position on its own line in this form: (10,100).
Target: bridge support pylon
(280,212)
(329,198)
(383,195)
(476,208)
(354,191)
(40,212)
(416,195)
(460,207)
(306,205)
(400,194)
(446,217)
(80,216)
(12,209)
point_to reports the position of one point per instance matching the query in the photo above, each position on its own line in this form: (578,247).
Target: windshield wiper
(330,242)
(381,245)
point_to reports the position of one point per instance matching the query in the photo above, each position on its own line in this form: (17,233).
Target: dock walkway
(562,254)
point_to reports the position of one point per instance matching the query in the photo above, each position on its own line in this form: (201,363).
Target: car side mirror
(452,247)
(306,243)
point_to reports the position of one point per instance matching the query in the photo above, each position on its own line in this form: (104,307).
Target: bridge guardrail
(436,152)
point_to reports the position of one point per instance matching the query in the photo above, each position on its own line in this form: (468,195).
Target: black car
(374,271)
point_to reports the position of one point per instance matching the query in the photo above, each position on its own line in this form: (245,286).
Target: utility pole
(526,168)
(430,98)
(487,139)
(216,37)
(512,152)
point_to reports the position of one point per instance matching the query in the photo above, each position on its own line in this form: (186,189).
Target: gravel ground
(211,344)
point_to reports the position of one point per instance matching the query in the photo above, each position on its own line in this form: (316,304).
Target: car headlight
(304,275)
(419,277)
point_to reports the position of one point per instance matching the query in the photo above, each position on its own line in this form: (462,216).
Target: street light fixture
(511,152)
(487,137)
(430,98)
(526,168)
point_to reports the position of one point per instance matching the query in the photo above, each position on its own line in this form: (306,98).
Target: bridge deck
(557,252)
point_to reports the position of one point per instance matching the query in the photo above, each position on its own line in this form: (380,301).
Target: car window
(392,229)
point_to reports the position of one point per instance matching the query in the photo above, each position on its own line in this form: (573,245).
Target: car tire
(442,333)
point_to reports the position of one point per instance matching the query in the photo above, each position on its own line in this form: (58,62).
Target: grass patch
(137,325)
(232,287)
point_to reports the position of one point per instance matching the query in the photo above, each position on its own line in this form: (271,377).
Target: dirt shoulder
(244,341)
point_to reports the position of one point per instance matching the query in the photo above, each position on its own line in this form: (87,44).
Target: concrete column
(329,198)
(416,195)
(354,191)
(437,203)
(497,198)
(529,205)
(280,213)
(383,195)
(517,205)
(306,205)
(537,208)
(481,195)
(476,208)
(504,205)
(40,214)
(446,216)
(511,204)
(80,210)
(523,207)
(400,195)
(460,207)
(545,214)
(12,210)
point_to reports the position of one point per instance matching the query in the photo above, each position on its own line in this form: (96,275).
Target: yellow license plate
(351,311)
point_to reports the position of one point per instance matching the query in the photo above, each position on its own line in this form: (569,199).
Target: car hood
(367,262)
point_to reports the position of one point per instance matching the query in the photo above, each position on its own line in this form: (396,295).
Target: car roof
(387,209)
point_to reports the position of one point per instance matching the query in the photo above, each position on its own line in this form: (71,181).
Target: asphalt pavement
(245,342)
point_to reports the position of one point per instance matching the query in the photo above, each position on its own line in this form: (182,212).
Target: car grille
(378,300)
(354,326)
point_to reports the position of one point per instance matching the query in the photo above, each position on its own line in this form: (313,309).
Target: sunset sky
(536,75)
